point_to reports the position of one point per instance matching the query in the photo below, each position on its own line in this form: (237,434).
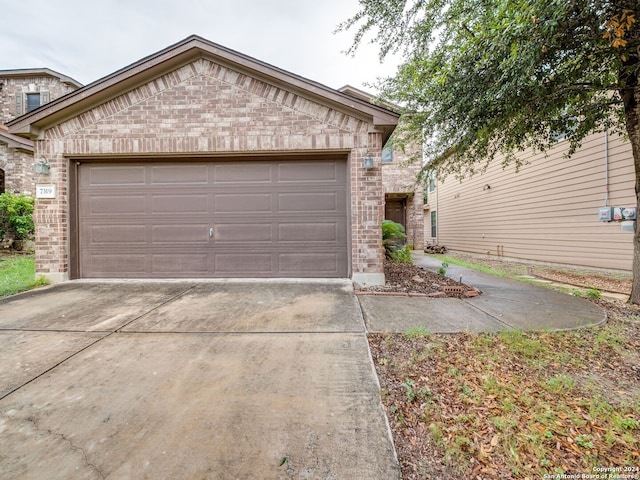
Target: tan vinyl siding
(548,211)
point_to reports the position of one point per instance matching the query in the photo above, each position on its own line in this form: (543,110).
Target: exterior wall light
(42,166)
(368,161)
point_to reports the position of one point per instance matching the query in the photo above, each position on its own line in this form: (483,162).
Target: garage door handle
(211,232)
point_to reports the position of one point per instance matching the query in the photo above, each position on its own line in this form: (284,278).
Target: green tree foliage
(16,216)
(487,79)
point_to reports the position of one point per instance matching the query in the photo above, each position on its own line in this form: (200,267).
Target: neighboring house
(16,164)
(548,211)
(199,161)
(22,91)
(403,196)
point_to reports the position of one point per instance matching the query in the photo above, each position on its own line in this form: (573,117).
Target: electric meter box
(606,214)
(617,213)
(630,213)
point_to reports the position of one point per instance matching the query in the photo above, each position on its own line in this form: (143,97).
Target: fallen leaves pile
(514,405)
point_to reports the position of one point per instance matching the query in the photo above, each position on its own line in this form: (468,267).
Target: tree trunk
(632,109)
(630,93)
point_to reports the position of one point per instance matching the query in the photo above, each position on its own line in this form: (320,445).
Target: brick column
(368,213)
(51,219)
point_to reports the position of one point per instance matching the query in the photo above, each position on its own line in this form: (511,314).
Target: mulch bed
(411,280)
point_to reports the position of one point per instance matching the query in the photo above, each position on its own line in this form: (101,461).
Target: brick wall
(17,165)
(399,177)
(205,108)
(49,87)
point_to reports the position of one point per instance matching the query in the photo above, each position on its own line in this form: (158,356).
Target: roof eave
(30,72)
(15,141)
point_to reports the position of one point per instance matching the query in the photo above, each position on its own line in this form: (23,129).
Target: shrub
(16,216)
(392,236)
(403,255)
(442,271)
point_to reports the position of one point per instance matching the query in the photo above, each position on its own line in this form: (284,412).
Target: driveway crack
(73,447)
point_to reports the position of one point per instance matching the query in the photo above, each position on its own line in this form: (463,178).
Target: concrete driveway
(179,380)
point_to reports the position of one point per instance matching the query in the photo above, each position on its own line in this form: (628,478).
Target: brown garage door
(266,218)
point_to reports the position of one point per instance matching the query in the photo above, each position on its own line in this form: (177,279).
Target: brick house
(199,161)
(403,196)
(22,91)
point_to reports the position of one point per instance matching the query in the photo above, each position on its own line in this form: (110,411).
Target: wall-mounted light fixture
(368,161)
(42,166)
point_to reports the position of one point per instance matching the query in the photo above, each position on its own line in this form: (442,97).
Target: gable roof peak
(177,55)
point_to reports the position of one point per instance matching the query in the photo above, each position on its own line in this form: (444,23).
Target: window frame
(434,224)
(29,106)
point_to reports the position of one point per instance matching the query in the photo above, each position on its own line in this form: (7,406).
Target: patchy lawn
(619,282)
(514,405)
(17,274)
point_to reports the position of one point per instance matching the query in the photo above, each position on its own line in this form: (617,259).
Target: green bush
(16,216)
(402,255)
(392,236)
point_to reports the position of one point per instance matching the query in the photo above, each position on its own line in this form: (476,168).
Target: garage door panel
(114,205)
(241,232)
(179,264)
(309,263)
(318,173)
(309,202)
(180,175)
(179,203)
(115,264)
(180,233)
(115,235)
(327,232)
(243,174)
(111,176)
(243,263)
(274,218)
(240,203)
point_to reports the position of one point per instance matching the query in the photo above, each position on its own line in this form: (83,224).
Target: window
(432,181)
(1,181)
(33,101)
(433,224)
(387,153)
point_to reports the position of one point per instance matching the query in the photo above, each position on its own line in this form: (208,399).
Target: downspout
(606,168)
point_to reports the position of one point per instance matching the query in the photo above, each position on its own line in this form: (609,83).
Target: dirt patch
(586,280)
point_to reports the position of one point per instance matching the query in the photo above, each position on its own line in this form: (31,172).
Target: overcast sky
(88,39)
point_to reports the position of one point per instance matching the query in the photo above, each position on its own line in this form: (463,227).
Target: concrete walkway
(505,304)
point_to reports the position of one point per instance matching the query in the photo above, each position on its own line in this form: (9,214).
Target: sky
(89,39)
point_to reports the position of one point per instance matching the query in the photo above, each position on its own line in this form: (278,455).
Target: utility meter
(617,213)
(629,213)
(605,214)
